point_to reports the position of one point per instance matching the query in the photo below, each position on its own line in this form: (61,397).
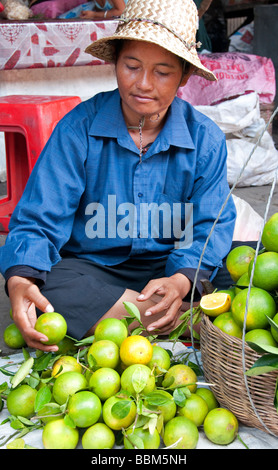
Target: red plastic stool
(27,121)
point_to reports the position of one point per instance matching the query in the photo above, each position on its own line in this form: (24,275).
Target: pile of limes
(118,389)
(253,308)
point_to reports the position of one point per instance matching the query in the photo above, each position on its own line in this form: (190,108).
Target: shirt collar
(110,123)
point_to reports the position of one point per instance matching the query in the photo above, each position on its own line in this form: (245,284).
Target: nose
(145,81)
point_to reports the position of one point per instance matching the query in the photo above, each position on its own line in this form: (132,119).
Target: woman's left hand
(172,291)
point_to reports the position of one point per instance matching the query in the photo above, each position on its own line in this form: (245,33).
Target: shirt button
(140,194)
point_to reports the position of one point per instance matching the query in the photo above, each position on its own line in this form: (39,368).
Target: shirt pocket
(171,220)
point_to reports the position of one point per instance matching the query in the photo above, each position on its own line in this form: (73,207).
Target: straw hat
(171,24)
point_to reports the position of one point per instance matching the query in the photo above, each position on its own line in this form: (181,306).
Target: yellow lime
(238,260)
(65,364)
(180,375)
(136,349)
(216,303)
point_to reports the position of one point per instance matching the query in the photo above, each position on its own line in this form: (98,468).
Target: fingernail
(147,314)
(43,340)
(150,328)
(49,308)
(141,296)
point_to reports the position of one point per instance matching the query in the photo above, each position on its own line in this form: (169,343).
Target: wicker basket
(223,366)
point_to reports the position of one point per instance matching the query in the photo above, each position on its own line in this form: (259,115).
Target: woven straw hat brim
(169,24)
(104,48)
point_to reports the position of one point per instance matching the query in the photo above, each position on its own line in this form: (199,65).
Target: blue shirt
(89,196)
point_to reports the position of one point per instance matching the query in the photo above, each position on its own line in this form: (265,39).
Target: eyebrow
(164,64)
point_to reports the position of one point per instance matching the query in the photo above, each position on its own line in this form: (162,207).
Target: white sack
(242,124)
(248,224)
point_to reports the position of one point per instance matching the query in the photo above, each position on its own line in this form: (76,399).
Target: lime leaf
(134,442)
(139,379)
(22,372)
(43,396)
(179,397)
(69,421)
(121,409)
(132,310)
(263,348)
(157,398)
(272,323)
(264,364)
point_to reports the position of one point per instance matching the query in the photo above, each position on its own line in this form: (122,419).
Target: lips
(143,98)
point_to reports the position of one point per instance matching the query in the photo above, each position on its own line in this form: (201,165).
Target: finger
(36,340)
(167,320)
(153,287)
(165,304)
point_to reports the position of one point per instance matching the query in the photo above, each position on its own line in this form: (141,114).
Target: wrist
(184,284)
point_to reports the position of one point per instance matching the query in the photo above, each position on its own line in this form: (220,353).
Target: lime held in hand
(53,325)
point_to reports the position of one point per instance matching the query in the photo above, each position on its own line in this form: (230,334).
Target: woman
(104,9)
(121,201)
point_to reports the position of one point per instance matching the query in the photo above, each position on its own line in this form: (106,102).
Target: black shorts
(83,291)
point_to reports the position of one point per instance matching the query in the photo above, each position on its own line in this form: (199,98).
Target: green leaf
(157,398)
(6,372)
(132,310)
(3,387)
(272,323)
(43,397)
(22,372)
(178,331)
(139,379)
(137,331)
(134,442)
(69,421)
(34,379)
(266,363)
(26,354)
(88,340)
(41,363)
(263,348)
(92,362)
(179,397)
(121,408)
(25,421)
(16,423)
(152,424)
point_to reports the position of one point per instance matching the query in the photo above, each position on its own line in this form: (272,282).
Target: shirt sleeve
(42,220)
(25,271)
(209,203)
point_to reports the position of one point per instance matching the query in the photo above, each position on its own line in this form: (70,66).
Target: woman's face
(148,77)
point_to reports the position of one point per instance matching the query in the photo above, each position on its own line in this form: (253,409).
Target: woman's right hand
(25,296)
